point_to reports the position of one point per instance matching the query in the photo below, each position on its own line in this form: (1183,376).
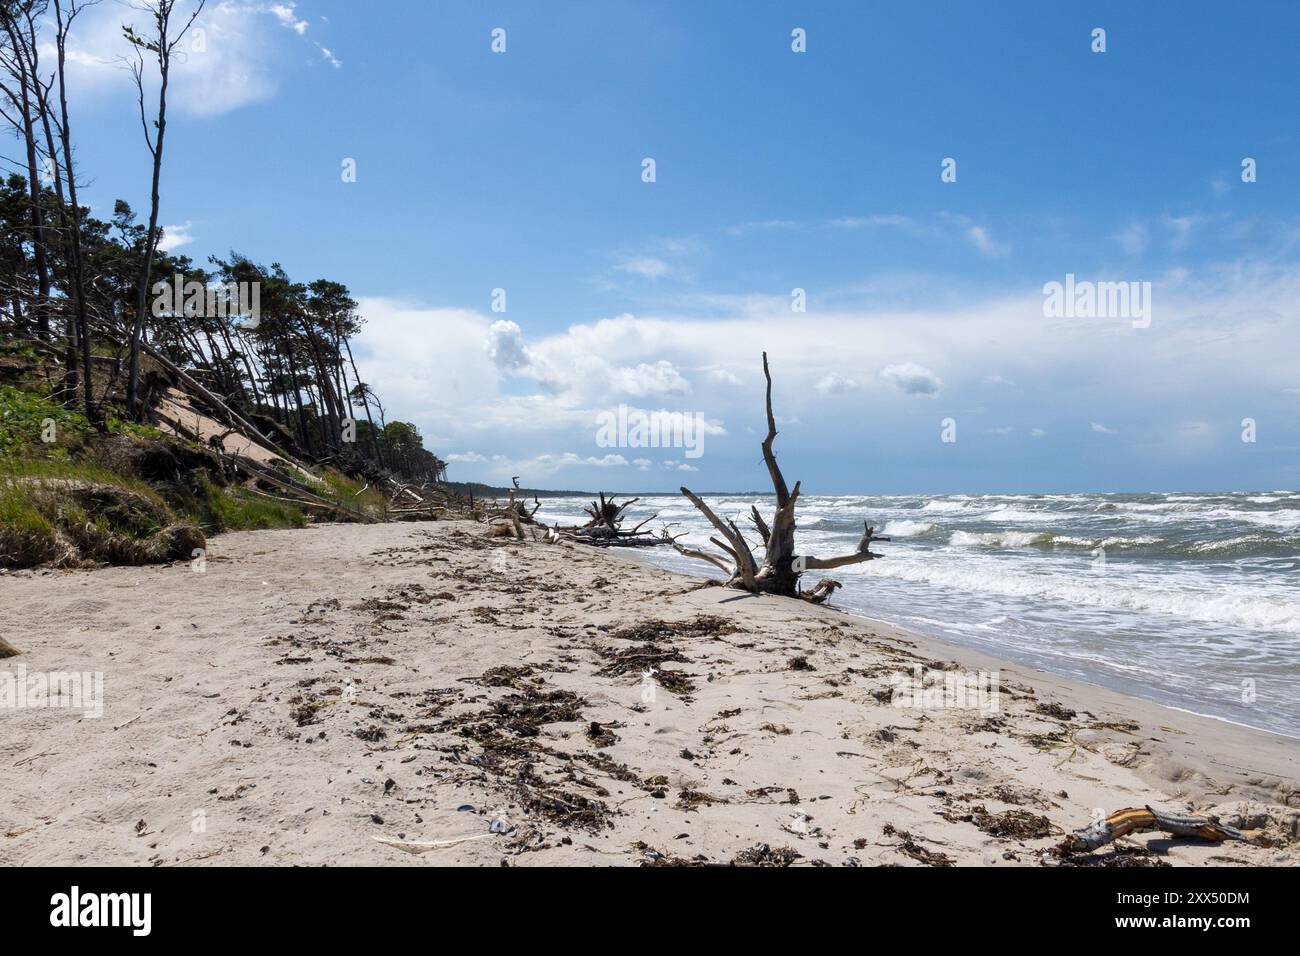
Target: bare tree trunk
(162,46)
(74,242)
(22,101)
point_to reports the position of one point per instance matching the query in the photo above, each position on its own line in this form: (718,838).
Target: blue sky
(775,170)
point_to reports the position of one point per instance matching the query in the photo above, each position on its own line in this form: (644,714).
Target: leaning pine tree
(781,565)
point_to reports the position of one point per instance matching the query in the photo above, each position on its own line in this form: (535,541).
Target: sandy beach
(422,694)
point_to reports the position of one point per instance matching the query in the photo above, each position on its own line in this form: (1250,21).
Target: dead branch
(1132,820)
(782,566)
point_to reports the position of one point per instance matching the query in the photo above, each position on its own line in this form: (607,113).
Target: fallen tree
(605,527)
(781,566)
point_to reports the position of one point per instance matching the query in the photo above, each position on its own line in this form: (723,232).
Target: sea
(1191,600)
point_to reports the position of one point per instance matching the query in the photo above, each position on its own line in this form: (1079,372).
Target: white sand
(199,756)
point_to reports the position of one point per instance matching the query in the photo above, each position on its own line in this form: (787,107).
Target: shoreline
(956,648)
(310,683)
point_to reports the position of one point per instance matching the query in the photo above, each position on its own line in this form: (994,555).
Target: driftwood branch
(1134,820)
(782,565)
(604,527)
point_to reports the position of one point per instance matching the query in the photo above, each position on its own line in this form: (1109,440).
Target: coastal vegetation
(146,399)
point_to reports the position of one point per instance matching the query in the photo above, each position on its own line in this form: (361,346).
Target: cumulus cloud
(724,376)
(505,346)
(912,379)
(833,383)
(659,378)
(431,366)
(176,236)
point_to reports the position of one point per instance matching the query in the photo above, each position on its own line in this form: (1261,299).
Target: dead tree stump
(782,565)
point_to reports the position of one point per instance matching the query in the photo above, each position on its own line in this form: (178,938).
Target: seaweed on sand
(702,625)
(909,847)
(1011,824)
(525,713)
(648,657)
(764,855)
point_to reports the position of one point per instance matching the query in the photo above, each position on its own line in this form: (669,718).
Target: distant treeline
(98,294)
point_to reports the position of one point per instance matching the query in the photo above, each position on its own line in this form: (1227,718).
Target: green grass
(27,419)
(68,493)
(354,494)
(234,509)
(85,468)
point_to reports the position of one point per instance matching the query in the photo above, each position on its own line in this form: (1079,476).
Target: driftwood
(515,514)
(781,566)
(604,528)
(1134,820)
(7,649)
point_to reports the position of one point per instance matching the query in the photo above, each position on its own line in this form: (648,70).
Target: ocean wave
(1108,589)
(1248,545)
(908,529)
(999,539)
(946,507)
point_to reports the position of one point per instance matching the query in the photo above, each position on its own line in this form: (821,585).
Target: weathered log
(1135,820)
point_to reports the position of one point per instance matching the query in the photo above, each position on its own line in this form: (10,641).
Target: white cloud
(764,225)
(505,346)
(724,376)
(468,457)
(834,383)
(228,60)
(912,379)
(659,378)
(982,239)
(176,236)
(647,267)
(530,394)
(285,13)
(862,222)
